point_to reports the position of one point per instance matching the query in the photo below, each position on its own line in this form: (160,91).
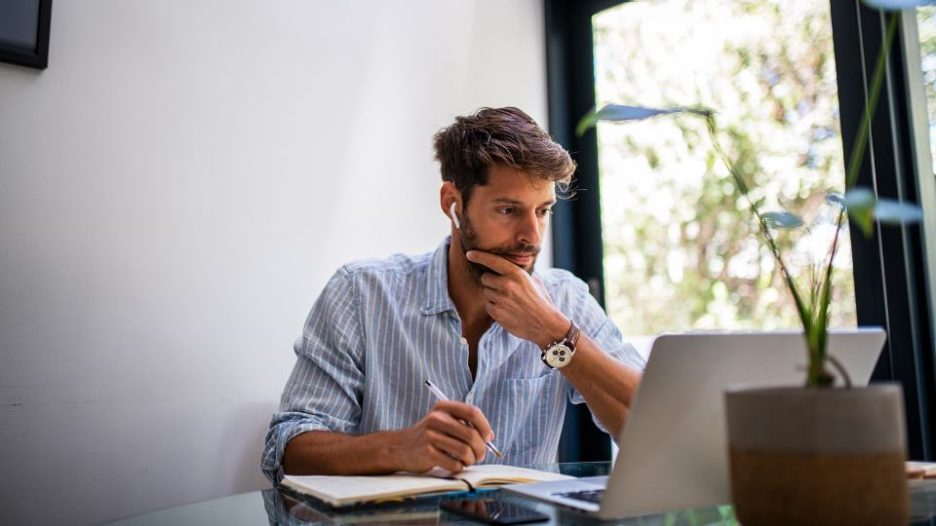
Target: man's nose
(530,233)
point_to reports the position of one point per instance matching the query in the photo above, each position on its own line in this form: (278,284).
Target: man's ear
(454,215)
(450,199)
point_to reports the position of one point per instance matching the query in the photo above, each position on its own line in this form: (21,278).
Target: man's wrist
(555,332)
(395,450)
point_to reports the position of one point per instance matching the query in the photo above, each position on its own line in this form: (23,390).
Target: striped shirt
(379,329)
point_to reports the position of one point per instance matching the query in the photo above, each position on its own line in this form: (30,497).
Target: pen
(441,396)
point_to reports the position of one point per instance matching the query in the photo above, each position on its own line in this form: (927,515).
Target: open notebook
(339,491)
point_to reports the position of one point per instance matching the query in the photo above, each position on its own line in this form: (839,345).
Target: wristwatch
(558,354)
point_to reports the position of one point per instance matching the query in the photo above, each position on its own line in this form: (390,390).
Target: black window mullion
(577,237)
(849,65)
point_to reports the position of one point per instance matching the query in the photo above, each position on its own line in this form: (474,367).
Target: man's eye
(507,210)
(546,212)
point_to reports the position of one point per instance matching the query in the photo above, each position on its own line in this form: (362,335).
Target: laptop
(673,451)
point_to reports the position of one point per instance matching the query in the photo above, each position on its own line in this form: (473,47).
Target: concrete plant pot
(817,456)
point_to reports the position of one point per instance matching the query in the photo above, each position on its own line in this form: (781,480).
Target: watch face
(558,355)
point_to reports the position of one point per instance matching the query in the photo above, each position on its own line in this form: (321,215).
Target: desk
(272,506)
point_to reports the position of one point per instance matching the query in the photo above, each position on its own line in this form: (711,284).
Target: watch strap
(571,337)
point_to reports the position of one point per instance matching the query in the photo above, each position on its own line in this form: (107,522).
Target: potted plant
(821,453)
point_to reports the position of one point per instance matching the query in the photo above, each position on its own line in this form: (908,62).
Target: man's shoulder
(395,266)
(559,280)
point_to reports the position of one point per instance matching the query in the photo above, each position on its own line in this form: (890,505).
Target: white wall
(176,189)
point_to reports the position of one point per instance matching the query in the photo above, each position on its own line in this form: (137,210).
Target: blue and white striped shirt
(379,329)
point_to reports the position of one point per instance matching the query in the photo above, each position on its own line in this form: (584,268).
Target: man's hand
(518,301)
(442,438)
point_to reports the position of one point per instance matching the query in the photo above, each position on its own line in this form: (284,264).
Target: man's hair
(499,136)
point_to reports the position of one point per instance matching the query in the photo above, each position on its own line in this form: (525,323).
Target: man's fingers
(492,261)
(491,295)
(467,454)
(443,460)
(493,281)
(478,507)
(445,423)
(470,414)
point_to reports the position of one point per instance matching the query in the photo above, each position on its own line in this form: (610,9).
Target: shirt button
(464,341)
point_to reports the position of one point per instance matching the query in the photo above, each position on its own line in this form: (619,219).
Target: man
(473,317)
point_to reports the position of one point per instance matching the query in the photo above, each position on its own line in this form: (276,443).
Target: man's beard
(469,241)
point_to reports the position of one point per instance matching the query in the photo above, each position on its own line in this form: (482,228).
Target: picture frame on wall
(24,32)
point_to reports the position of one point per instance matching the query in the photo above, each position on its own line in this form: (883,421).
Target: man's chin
(477,269)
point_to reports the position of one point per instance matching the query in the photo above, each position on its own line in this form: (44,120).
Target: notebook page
(340,489)
(490,474)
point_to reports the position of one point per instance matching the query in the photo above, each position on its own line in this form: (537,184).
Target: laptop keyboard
(587,495)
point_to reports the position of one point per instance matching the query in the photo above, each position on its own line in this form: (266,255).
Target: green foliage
(782,220)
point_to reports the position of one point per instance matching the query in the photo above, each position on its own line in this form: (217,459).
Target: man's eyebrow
(514,202)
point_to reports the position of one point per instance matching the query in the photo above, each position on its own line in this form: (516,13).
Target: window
(595,234)
(680,249)
(926,30)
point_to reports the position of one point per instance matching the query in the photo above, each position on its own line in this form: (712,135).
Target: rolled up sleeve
(593,321)
(324,391)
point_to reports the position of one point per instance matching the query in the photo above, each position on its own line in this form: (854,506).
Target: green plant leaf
(865,221)
(860,204)
(864,208)
(618,112)
(588,121)
(859,198)
(896,5)
(784,219)
(818,375)
(892,212)
(622,112)
(836,198)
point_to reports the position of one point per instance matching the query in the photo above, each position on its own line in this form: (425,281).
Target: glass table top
(277,506)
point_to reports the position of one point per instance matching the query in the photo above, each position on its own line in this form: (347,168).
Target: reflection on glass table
(281,507)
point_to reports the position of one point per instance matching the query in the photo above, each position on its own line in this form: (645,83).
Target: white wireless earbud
(454,217)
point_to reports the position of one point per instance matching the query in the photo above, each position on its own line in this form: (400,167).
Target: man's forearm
(451,436)
(607,385)
(328,453)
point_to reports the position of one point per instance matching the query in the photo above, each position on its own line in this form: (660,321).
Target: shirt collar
(437,298)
